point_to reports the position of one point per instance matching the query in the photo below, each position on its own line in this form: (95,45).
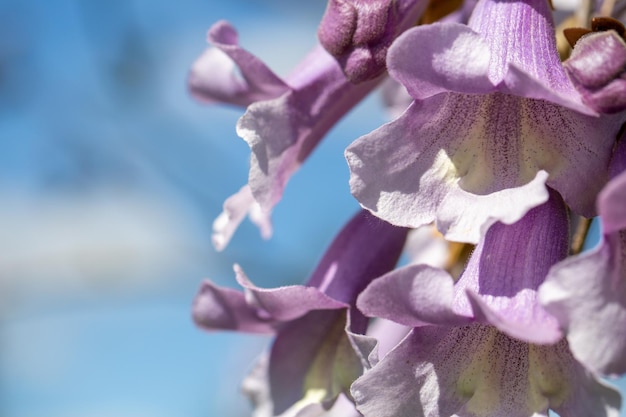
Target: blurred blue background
(110,178)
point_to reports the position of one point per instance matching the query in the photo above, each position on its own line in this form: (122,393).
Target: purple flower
(483,346)
(284,120)
(597,67)
(319,347)
(359,32)
(587,292)
(494,120)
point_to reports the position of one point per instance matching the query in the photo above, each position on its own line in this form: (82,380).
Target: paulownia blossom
(319,347)
(494,120)
(483,346)
(284,120)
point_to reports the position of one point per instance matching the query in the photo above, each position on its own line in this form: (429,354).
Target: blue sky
(110,177)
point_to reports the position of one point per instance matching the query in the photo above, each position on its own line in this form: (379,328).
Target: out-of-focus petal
(227,73)
(236,207)
(282,132)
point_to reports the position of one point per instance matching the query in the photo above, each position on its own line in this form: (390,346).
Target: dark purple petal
(477,371)
(359,32)
(312,359)
(218,308)
(597,67)
(213,77)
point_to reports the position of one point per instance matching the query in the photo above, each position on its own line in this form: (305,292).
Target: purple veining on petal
(507,267)
(477,371)
(213,77)
(597,67)
(451,150)
(359,32)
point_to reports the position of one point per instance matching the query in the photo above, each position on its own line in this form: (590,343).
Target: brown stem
(578,241)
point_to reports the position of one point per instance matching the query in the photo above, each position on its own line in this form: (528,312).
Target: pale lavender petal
(218,308)
(359,32)
(452,149)
(285,303)
(587,294)
(412,296)
(452,58)
(236,207)
(508,47)
(214,78)
(597,66)
(477,371)
(395,98)
(282,132)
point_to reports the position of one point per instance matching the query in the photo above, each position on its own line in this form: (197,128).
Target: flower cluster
(499,154)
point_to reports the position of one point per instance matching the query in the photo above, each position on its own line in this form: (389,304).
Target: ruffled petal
(282,132)
(285,303)
(236,207)
(358,33)
(477,371)
(412,296)
(213,77)
(446,159)
(587,294)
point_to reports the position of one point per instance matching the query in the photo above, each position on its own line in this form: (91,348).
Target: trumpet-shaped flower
(483,346)
(319,347)
(284,120)
(494,120)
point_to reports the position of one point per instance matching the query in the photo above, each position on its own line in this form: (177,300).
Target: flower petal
(213,78)
(412,296)
(235,209)
(285,303)
(282,132)
(217,308)
(587,294)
